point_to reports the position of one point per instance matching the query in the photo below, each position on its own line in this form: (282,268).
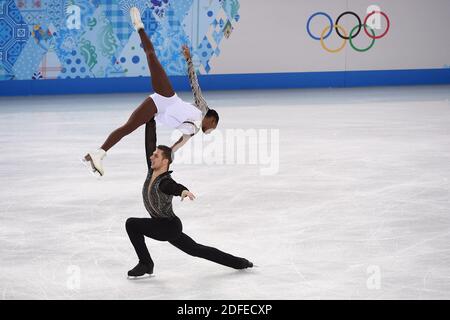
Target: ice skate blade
(250,268)
(145,276)
(91,169)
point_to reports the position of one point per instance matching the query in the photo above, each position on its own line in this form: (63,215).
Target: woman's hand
(187,193)
(186,51)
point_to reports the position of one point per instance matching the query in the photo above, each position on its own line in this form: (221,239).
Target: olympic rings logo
(343,34)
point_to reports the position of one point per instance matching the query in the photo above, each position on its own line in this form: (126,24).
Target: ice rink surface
(359,208)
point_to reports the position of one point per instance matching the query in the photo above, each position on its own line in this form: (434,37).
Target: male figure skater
(164,104)
(158,190)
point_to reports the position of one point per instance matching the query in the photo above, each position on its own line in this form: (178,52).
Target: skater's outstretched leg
(147,110)
(144,113)
(186,244)
(160,81)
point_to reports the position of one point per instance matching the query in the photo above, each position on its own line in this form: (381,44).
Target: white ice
(358,210)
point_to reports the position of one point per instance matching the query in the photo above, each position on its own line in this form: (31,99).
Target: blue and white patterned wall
(41,39)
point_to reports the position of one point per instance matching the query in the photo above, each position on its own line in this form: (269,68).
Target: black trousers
(171,230)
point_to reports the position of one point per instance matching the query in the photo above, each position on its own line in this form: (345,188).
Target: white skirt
(173,111)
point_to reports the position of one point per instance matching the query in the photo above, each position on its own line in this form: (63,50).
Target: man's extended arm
(170,187)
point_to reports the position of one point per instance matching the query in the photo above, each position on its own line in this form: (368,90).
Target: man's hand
(186,52)
(187,193)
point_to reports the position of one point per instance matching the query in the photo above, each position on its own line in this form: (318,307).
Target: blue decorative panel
(14,34)
(67,39)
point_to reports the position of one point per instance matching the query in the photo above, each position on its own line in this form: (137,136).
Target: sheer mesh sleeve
(200,102)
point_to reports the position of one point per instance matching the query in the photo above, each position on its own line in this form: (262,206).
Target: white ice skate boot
(93,160)
(136,18)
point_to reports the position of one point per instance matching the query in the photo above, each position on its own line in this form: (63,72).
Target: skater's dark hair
(166,153)
(214,114)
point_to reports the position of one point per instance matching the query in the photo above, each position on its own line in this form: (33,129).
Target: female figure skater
(158,191)
(164,104)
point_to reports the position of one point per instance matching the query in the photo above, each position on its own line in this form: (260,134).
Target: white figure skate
(93,161)
(136,18)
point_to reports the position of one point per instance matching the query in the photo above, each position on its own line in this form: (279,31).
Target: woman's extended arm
(200,102)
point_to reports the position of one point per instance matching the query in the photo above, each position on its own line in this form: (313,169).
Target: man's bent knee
(130,223)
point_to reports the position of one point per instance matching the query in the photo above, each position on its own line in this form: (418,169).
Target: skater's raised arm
(150,141)
(170,187)
(198,97)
